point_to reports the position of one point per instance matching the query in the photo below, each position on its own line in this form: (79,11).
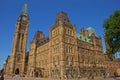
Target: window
(53,61)
(58,61)
(66,48)
(18,58)
(54,50)
(72,61)
(71,49)
(70,32)
(67,60)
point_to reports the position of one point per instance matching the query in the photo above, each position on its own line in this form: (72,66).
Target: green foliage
(112,32)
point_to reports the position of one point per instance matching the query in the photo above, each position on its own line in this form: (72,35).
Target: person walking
(107,74)
(89,76)
(60,77)
(70,77)
(2,77)
(79,77)
(66,77)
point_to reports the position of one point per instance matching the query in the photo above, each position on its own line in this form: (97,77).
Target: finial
(25,11)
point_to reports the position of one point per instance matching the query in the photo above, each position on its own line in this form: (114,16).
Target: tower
(18,54)
(62,46)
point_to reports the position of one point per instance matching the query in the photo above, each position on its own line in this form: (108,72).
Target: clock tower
(18,54)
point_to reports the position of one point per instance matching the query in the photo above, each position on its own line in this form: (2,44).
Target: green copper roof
(83,38)
(91,31)
(25,11)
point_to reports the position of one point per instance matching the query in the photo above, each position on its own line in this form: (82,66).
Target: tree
(112,33)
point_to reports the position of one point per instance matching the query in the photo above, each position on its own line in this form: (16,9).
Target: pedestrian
(89,76)
(2,77)
(60,77)
(70,77)
(107,74)
(79,77)
(104,75)
(66,77)
(92,77)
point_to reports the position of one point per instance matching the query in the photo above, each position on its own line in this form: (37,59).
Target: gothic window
(70,32)
(66,48)
(18,58)
(67,60)
(72,61)
(71,49)
(22,40)
(53,61)
(57,50)
(66,30)
(58,61)
(54,50)
(18,41)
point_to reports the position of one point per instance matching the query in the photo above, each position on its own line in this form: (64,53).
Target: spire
(24,10)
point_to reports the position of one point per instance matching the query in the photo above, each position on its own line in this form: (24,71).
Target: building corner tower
(16,61)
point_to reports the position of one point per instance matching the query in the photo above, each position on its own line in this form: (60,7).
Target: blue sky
(42,13)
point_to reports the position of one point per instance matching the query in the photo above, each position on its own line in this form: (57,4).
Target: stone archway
(17,71)
(36,74)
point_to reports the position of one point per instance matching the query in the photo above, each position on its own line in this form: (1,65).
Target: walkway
(29,78)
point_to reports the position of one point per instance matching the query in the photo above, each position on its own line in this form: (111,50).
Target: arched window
(69,49)
(18,58)
(66,48)
(72,61)
(53,61)
(70,32)
(66,60)
(58,60)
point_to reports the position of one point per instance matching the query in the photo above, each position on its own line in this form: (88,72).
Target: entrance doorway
(36,74)
(17,71)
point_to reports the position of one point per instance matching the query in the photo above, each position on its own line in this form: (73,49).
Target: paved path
(29,78)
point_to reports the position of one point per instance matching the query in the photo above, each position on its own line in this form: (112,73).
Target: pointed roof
(62,17)
(91,31)
(25,10)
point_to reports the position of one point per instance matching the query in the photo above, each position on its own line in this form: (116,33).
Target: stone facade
(15,63)
(64,52)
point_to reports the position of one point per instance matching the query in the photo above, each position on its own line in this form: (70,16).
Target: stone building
(15,63)
(64,52)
